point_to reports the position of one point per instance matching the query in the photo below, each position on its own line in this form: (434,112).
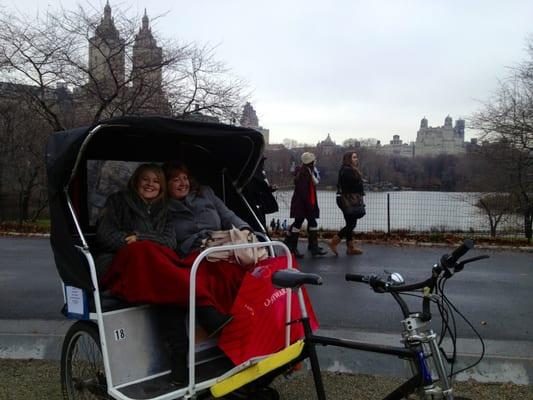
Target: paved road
(496,291)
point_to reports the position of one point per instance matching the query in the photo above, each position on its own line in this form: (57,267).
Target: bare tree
(203,84)
(8,123)
(38,56)
(352,142)
(68,68)
(497,208)
(506,120)
(22,166)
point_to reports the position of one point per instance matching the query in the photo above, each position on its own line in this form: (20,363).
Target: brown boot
(351,249)
(335,240)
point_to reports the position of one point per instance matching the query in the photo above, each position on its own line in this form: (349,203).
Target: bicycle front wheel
(82,365)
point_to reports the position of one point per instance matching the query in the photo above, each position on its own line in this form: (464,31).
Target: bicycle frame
(420,345)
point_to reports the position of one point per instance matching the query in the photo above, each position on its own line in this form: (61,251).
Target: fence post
(388,213)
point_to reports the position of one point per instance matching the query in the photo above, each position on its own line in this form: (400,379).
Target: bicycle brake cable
(453,335)
(476,333)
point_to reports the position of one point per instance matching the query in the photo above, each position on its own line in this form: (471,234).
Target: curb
(527,249)
(504,361)
(32,339)
(25,234)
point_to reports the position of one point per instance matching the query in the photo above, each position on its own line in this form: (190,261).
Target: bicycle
(430,378)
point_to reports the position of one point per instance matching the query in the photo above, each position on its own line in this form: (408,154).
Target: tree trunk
(2,202)
(492,229)
(24,207)
(528,224)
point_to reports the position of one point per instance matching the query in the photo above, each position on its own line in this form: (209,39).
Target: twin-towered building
(446,139)
(107,65)
(430,141)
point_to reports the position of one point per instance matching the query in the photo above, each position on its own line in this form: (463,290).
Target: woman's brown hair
(347,160)
(133,182)
(172,168)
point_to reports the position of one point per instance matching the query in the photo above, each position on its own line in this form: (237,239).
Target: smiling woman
(195,210)
(137,213)
(149,186)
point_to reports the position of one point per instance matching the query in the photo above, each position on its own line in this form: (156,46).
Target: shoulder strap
(339,191)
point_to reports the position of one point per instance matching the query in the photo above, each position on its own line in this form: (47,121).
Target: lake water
(409,210)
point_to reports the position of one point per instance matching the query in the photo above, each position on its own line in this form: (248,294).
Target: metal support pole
(388,213)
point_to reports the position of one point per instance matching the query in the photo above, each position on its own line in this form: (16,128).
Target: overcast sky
(350,68)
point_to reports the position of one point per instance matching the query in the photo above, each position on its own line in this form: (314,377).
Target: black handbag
(352,204)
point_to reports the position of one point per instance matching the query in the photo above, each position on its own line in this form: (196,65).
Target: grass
(43,223)
(39,226)
(39,379)
(396,236)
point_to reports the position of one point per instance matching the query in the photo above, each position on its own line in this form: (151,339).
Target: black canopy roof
(235,150)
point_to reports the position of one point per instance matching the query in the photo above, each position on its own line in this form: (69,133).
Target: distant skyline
(350,68)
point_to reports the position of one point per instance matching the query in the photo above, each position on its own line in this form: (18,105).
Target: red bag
(259,311)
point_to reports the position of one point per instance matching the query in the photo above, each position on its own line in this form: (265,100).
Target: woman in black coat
(304,206)
(139,214)
(134,214)
(350,181)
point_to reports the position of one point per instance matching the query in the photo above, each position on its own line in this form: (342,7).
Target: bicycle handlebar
(448,261)
(357,277)
(380,285)
(467,245)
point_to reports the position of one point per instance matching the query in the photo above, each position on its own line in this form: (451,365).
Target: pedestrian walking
(350,192)
(304,206)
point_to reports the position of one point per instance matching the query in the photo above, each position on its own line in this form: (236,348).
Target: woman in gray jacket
(196,211)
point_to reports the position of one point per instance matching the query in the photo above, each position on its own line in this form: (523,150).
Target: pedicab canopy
(210,150)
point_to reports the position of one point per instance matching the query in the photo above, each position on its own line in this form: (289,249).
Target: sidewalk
(504,361)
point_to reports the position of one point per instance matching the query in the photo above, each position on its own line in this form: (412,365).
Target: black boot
(316,250)
(212,320)
(292,243)
(171,321)
(179,367)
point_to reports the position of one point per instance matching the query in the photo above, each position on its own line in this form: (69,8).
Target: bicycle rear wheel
(82,366)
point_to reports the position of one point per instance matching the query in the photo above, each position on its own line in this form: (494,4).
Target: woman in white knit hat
(304,206)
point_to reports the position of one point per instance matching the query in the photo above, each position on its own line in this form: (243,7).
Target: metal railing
(407,212)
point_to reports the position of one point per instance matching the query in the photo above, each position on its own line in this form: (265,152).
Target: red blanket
(146,272)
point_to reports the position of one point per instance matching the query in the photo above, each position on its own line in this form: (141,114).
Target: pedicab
(114,349)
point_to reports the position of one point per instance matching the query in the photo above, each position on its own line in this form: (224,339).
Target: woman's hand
(130,239)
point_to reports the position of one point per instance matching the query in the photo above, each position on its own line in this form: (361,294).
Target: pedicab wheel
(82,365)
